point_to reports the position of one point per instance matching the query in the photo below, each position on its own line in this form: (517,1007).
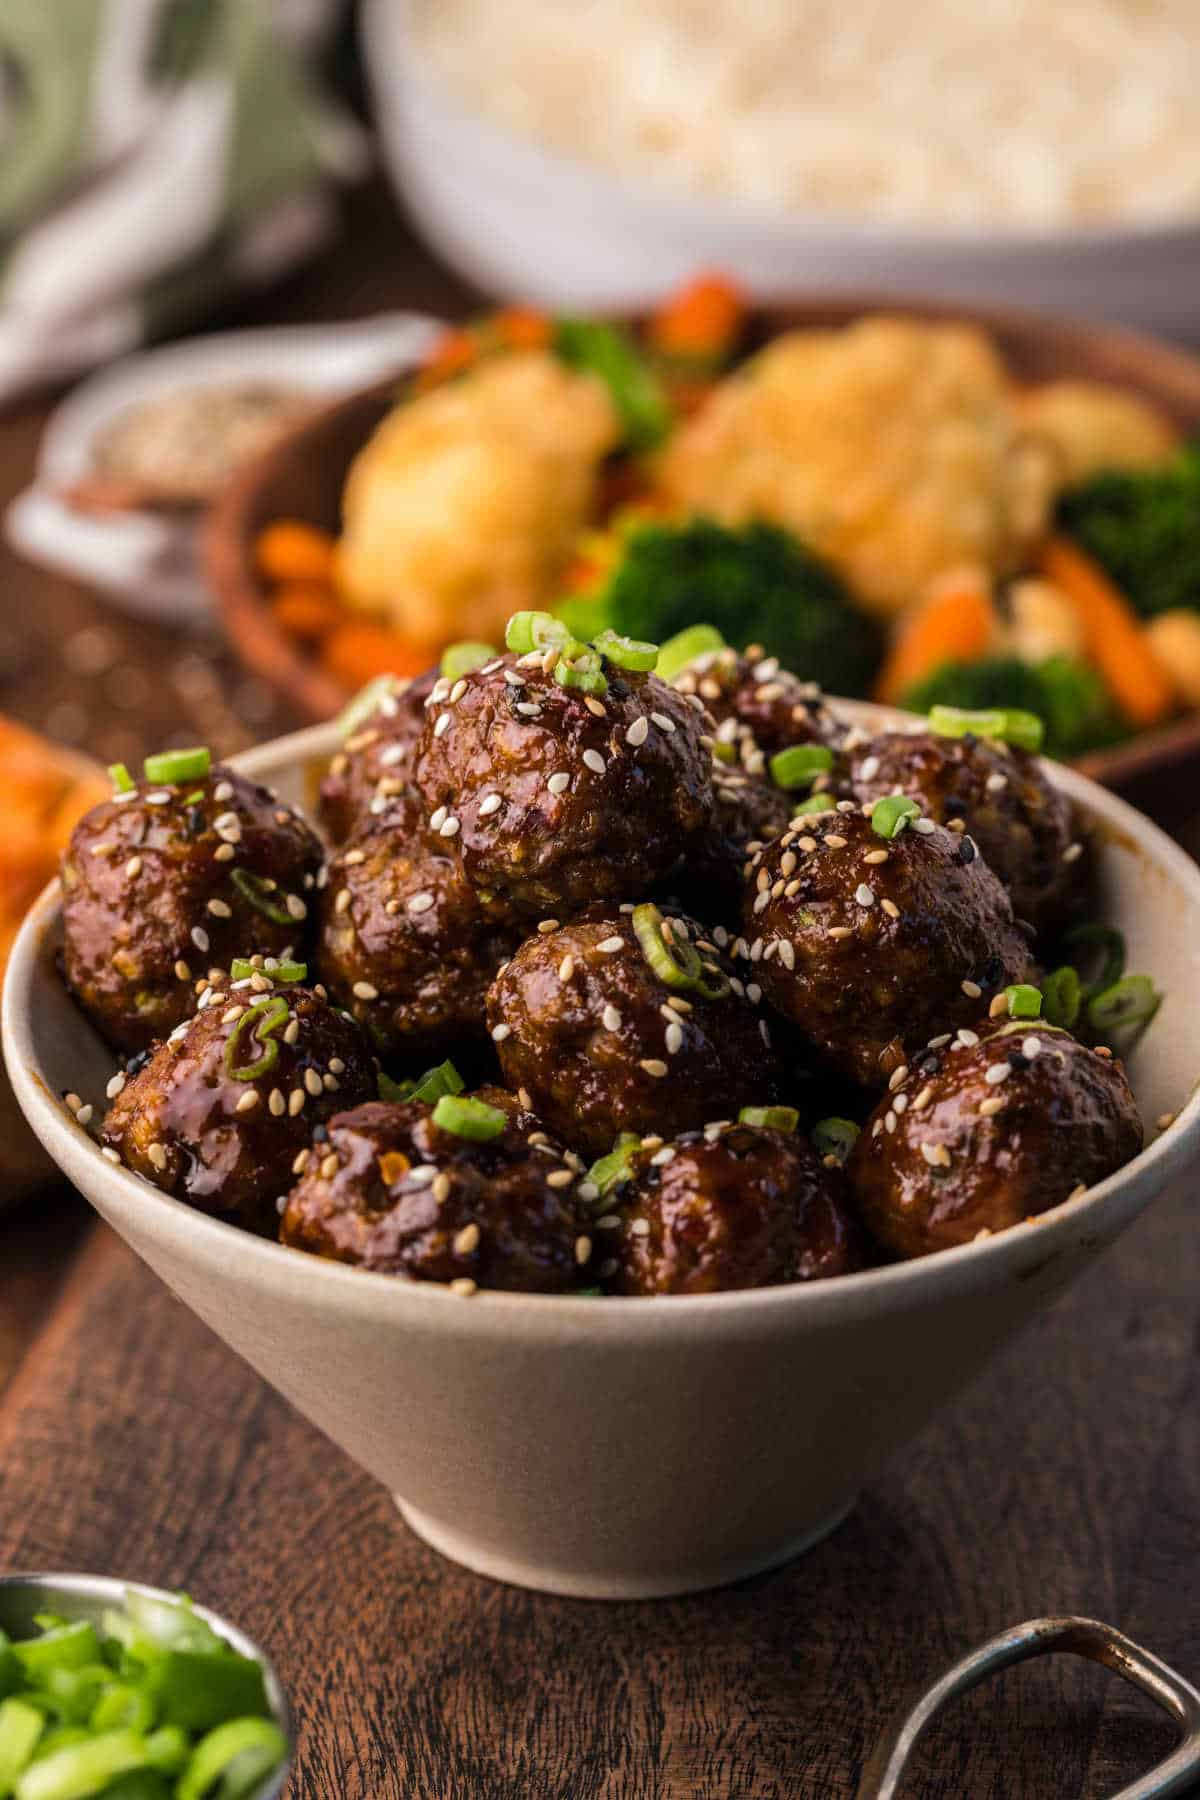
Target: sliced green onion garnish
(626,652)
(674,958)
(1100,940)
(175,766)
(21,1726)
(685,647)
(258,1021)
(834,1137)
(253,888)
(238,1756)
(800,764)
(580,667)
(613,1170)
(1008,724)
(468,1118)
(1024,1001)
(771,1118)
(460,659)
(365,702)
(80,1769)
(394,1092)
(1062,997)
(1133,1000)
(528,631)
(444,1078)
(813,803)
(122,780)
(241,968)
(890,815)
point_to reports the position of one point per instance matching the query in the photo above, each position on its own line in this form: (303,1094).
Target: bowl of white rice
(594,152)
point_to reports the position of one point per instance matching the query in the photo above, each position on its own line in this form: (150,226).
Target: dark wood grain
(132,1441)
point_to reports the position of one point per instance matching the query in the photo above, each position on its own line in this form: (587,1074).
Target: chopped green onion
(1133,1000)
(259,1020)
(444,1078)
(674,958)
(21,1726)
(80,1769)
(528,631)
(122,780)
(800,764)
(613,1170)
(239,1755)
(682,649)
(197,1689)
(1024,1001)
(1062,997)
(834,1137)
(123,1706)
(61,1646)
(605,350)
(771,1118)
(579,667)
(814,803)
(460,659)
(626,652)
(394,1092)
(255,889)
(890,815)
(241,969)
(365,702)
(468,1118)
(173,767)
(1008,724)
(1102,940)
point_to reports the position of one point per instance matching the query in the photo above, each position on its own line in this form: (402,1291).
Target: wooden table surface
(132,1441)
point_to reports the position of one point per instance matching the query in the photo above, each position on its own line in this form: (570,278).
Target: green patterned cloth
(153,155)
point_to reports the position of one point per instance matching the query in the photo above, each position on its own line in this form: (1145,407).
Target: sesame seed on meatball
(368,779)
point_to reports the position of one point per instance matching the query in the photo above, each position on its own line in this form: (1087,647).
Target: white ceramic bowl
(528,223)
(628,1447)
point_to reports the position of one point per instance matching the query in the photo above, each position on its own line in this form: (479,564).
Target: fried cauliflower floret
(1093,426)
(889,447)
(463,506)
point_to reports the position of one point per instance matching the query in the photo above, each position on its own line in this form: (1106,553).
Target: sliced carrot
(291,550)
(702,319)
(955,625)
(522,328)
(1113,635)
(307,613)
(454,352)
(355,653)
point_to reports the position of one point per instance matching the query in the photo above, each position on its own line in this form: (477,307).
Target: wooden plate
(302,477)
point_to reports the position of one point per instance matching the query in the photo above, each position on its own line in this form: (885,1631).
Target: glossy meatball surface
(758,705)
(748,813)
(369,778)
(602,1044)
(734,1207)
(404,943)
(1024,826)
(390,1190)
(979,1135)
(193,1119)
(169,882)
(555,798)
(865,942)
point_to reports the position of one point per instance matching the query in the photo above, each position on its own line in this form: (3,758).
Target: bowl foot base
(545,1578)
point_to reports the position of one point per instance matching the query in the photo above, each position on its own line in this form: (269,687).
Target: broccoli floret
(1069,697)
(757,585)
(1143,527)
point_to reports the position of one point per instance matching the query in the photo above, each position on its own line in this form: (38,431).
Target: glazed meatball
(737,1206)
(368,779)
(556,798)
(978,1135)
(192,1118)
(601,1044)
(867,943)
(756,703)
(166,882)
(392,1191)
(748,813)
(1024,826)
(405,945)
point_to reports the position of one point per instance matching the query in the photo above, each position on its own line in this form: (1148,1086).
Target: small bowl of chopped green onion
(111,1689)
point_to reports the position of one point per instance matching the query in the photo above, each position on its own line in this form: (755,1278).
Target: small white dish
(622,1448)
(529,223)
(148,561)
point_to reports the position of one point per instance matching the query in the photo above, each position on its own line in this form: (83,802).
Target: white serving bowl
(528,223)
(628,1447)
